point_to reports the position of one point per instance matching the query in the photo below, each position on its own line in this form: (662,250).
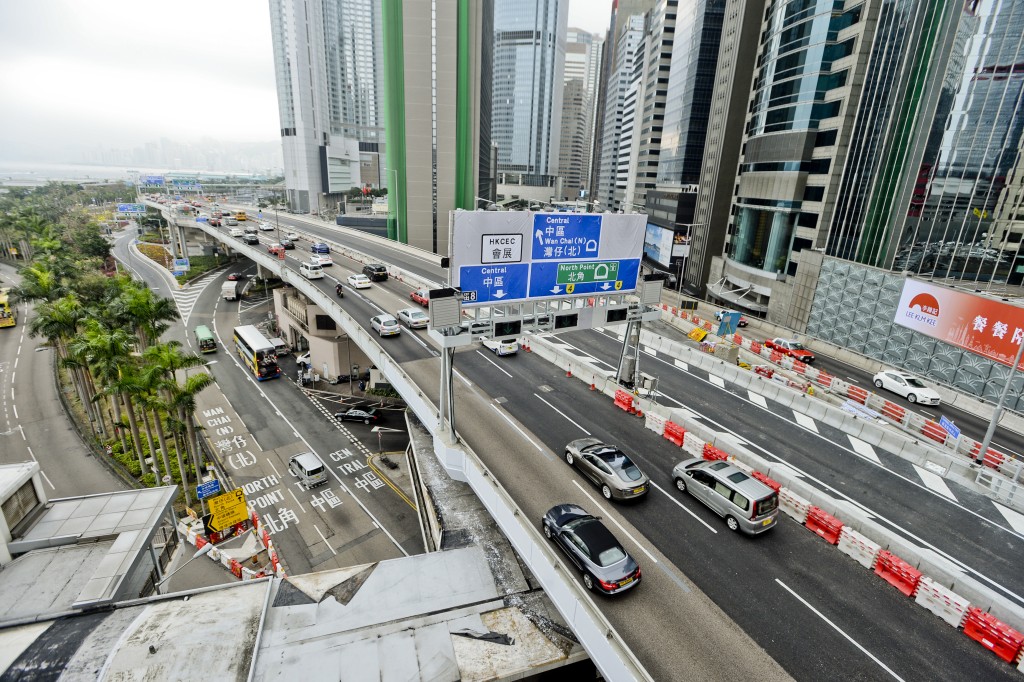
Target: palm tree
(147,313)
(185,402)
(38,283)
(152,378)
(58,322)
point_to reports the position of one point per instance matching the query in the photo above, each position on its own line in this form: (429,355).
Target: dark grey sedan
(607,567)
(608,467)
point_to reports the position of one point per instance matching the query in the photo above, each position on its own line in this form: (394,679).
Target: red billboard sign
(993,329)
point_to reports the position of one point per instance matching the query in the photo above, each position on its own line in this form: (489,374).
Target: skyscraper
(327,57)
(582,66)
(529,62)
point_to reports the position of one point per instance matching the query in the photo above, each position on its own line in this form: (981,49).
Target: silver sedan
(607,467)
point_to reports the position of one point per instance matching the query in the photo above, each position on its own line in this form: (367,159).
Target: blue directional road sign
(559,236)
(729,323)
(950,427)
(493,283)
(208,489)
(551,280)
(131,208)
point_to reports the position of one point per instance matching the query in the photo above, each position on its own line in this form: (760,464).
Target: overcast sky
(114,73)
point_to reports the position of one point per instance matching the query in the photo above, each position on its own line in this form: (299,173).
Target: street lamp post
(998,412)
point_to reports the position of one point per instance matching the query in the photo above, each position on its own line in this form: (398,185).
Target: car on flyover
(791,348)
(908,386)
(320,247)
(359,414)
(413,318)
(275,250)
(605,564)
(287,243)
(385,325)
(321,259)
(607,467)
(420,296)
(266,227)
(294,236)
(358,281)
(250,239)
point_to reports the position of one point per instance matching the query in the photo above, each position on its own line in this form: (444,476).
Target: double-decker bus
(257,352)
(8,312)
(205,340)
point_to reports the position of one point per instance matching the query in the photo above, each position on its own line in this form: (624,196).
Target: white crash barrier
(943,602)
(655,422)
(794,505)
(692,445)
(859,547)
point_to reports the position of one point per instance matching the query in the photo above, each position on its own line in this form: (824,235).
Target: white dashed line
(805,421)
(864,449)
(681,365)
(717,381)
(324,539)
(513,425)
(563,414)
(757,399)
(934,482)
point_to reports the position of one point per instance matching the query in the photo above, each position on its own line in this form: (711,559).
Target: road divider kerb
(903,564)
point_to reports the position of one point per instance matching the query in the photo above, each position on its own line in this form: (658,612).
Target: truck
(229,290)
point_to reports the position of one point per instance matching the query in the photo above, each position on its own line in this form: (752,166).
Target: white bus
(257,352)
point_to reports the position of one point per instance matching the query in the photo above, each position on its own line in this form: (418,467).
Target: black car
(358,414)
(375,272)
(607,567)
(288,244)
(251,239)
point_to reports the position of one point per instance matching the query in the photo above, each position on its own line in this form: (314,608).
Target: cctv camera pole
(998,412)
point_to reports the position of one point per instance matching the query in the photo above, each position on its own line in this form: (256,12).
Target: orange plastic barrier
(824,379)
(893,411)
(711,452)
(992,459)
(707,325)
(764,371)
(824,524)
(771,483)
(775,356)
(755,347)
(799,367)
(932,430)
(737,339)
(857,393)
(993,634)
(624,400)
(236,568)
(674,433)
(897,572)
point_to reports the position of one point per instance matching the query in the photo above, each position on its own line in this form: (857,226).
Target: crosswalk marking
(864,449)
(185,299)
(757,399)
(717,381)
(805,421)
(1014,518)
(681,365)
(934,482)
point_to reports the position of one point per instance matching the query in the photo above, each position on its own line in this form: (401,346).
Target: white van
(309,469)
(311,270)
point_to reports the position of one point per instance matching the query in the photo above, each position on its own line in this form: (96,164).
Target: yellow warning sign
(569,288)
(228,509)
(618,284)
(697,334)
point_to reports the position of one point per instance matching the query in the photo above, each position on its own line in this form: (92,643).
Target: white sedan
(908,386)
(321,259)
(359,281)
(413,318)
(501,346)
(266,227)
(292,235)
(385,325)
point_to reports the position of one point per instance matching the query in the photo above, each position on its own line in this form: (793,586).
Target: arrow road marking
(540,237)
(757,399)
(805,421)
(1014,518)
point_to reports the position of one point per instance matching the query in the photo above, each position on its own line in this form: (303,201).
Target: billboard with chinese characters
(992,329)
(513,256)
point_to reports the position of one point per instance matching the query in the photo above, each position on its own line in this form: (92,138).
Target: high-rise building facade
(526,109)
(327,60)
(888,133)
(436,81)
(582,64)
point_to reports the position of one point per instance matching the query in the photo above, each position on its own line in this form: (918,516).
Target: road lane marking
(805,421)
(650,351)
(604,515)
(864,449)
(571,421)
(757,399)
(15,407)
(852,641)
(716,380)
(934,482)
(464,379)
(494,363)
(684,507)
(1014,518)
(681,365)
(301,508)
(324,539)
(521,432)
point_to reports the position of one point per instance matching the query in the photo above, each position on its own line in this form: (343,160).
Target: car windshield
(915,382)
(796,345)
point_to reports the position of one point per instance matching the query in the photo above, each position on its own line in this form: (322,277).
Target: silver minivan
(308,468)
(747,504)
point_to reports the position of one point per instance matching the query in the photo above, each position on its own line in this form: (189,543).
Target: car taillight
(607,585)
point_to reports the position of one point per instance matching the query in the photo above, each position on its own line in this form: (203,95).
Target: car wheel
(547,530)
(680,484)
(569,458)
(878,383)
(607,492)
(911,398)
(366,421)
(733,524)
(588,581)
